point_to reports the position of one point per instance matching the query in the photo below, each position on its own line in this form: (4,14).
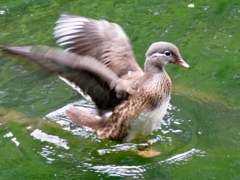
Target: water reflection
(46,152)
(13,139)
(44,137)
(172,133)
(173,142)
(120,171)
(59,116)
(2,12)
(183,157)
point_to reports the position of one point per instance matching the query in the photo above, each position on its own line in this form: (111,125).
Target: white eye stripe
(158,54)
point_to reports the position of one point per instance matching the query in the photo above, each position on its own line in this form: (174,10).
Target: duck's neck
(156,79)
(151,67)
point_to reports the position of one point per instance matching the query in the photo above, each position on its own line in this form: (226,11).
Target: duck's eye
(167,53)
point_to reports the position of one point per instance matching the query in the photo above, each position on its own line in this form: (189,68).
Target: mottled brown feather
(100,61)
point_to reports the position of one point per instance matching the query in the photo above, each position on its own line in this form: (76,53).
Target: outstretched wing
(95,79)
(105,41)
(99,54)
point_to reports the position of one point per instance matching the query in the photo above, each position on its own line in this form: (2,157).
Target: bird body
(99,60)
(152,109)
(135,117)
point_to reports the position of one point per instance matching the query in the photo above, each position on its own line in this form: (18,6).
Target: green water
(200,136)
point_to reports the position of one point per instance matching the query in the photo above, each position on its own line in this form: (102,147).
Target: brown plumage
(100,61)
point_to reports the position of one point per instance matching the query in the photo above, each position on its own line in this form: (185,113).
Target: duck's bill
(182,63)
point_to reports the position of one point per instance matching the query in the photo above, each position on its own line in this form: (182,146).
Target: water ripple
(38,134)
(120,171)
(13,139)
(186,156)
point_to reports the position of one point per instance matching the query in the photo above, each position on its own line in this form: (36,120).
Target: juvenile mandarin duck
(99,60)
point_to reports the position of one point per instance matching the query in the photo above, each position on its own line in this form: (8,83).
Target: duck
(97,57)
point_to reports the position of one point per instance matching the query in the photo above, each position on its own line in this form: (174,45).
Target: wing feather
(105,41)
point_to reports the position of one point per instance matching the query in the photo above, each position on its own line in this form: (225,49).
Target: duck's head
(162,53)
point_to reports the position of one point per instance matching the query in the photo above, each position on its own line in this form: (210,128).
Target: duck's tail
(82,118)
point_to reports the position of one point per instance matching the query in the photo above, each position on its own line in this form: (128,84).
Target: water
(199,138)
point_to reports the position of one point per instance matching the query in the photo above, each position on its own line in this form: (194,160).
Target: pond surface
(198,139)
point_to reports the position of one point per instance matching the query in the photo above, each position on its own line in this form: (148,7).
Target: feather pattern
(99,60)
(103,40)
